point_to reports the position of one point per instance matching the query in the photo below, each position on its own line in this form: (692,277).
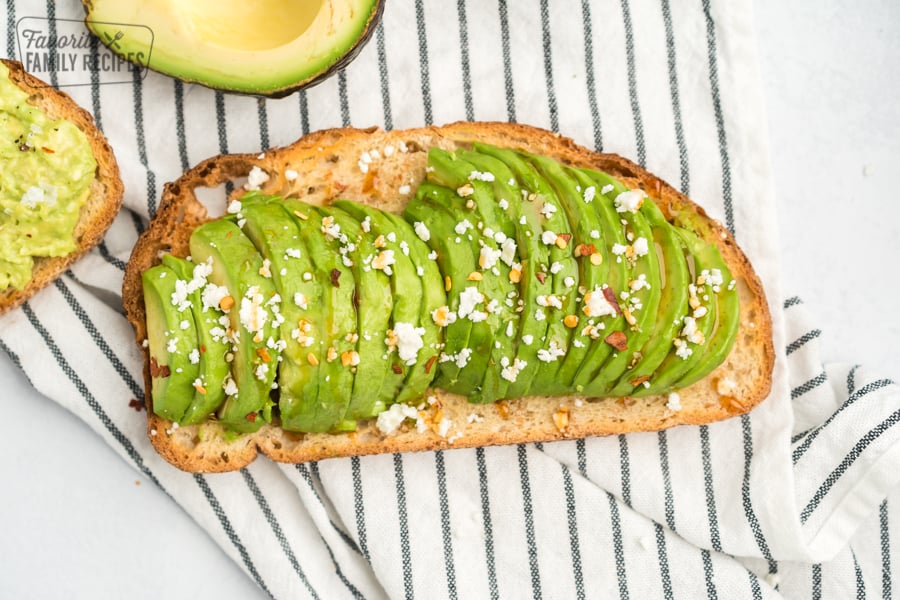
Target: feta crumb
(291,175)
(422,231)
(629,201)
(409,341)
(481,176)
(556,267)
(641,246)
(389,420)
(726,386)
(468,300)
(548,237)
(551,353)
(256,178)
(595,234)
(462,226)
(607,189)
(596,304)
(674,403)
(589,194)
(548,210)
(403,190)
(510,372)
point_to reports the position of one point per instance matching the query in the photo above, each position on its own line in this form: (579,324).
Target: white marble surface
(78,522)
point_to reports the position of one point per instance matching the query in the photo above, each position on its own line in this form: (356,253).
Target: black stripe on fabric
(810,385)
(53,35)
(749,513)
(464,59)
(404,525)
(676,101)
(220,122)
(423,61)
(138,106)
(179,125)
(625,469)
(802,340)
(487,523)
(304,111)
(113,260)
(137,220)
(860,580)
(11,28)
(816,592)
(136,388)
(708,576)
(548,66)
(662,441)
(340,573)
(792,301)
(720,119)
(886,583)
(581,453)
(507,62)
(95,83)
(263,117)
(235,539)
(865,390)
(663,559)
(632,84)
(359,507)
(89,398)
(711,510)
(799,436)
(308,478)
(441,472)
(589,73)
(528,514)
(618,550)
(272,520)
(383,75)
(344,100)
(851,380)
(858,448)
(574,545)
(755,590)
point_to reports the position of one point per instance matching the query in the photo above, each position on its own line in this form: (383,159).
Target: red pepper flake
(48,150)
(542,277)
(158,370)
(339,186)
(251,417)
(263,353)
(585,249)
(397,369)
(335,277)
(617,340)
(639,380)
(565,236)
(202,348)
(611,298)
(136,404)
(430,363)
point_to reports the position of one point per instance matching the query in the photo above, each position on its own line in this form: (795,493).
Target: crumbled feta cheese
(510,372)
(726,386)
(489,257)
(422,231)
(595,234)
(256,178)
(403,190)
(409,341)
(468,300)
(508,251)
(548,237)
(569,281)
(291,175)
(619,249)
(630,201)
(548,210)
(389,420)
(230,387)
(674,403)
(443,316)
(462,226)
(462,359)
(481,176)
(638,284)
(596,304)
(252,314)
(556,267)
(589,194)
(641,247)
(607,189)
(551,353)
(301,300)
(234,207)
(527,339)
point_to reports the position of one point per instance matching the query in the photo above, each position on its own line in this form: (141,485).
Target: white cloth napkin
(798,499)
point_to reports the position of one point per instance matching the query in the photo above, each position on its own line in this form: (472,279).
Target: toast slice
(372,166)
(105,196)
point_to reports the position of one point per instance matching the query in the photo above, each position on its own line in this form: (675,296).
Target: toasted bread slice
(329,167)
(106,190)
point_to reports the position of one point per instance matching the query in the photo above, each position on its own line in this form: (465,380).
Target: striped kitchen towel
(797,499)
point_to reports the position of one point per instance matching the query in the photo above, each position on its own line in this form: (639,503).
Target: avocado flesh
(516,377)
(236,265)
(374,303)
(452,171)
(268,47)
(277,237)
(539,192)
(640,327)
(672,305)
(432,206)
(209,387)
(172,385)
(336,321)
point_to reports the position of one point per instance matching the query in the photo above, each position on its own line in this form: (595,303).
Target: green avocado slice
(277,237)
(212,347)
(337,321)
(456,259)
(561,267)
(519,365)
(637,301)
(495,227)
(171,338)
(367,358)
(238,267)
(422,373)
(673,304)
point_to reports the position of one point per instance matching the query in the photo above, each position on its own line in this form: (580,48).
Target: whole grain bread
(106,191)
(327,165)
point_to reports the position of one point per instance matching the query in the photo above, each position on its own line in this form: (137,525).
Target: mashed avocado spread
(46,170)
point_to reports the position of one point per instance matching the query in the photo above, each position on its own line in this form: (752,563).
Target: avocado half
(264,47)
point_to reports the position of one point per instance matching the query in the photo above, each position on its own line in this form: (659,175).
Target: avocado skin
(172,392)
(236,266)
(212,368)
